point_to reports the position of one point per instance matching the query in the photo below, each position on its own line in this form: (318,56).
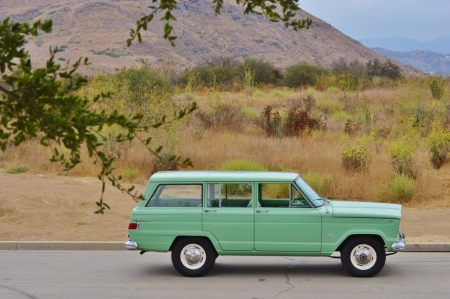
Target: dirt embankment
(44,208)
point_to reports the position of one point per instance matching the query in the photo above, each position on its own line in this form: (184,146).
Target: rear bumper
(399,246)
(130,245)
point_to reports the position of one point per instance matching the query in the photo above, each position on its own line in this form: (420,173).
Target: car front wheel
(363,256)
(193,257)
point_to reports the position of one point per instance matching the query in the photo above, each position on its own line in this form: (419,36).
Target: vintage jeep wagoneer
(199,215)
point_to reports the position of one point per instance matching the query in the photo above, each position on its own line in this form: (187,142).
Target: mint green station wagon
(199,215)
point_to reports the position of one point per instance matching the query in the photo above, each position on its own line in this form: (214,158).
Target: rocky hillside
(98,30)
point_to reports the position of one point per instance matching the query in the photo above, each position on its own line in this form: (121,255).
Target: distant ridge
(439,45)
(98,30)
(427,61)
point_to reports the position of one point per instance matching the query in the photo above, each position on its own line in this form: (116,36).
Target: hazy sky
(421,20)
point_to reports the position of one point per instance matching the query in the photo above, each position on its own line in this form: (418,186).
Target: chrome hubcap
(193,256)
(363,257)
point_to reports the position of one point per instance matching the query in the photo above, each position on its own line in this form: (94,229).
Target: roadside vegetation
(353,131)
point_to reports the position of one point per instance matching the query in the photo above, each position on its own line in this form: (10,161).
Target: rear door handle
(210,211)
(262,211)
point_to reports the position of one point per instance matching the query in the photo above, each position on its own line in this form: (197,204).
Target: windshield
(309,192)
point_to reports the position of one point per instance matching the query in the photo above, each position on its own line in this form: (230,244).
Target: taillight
(133,226)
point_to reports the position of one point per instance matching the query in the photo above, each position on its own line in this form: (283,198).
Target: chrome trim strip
(130,245)
(399,246)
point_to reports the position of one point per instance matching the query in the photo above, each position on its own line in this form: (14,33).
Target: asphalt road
(122,274)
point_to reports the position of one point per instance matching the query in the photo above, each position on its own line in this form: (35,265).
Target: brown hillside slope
(102,27)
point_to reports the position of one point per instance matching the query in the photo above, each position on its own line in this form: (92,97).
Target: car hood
(354,209)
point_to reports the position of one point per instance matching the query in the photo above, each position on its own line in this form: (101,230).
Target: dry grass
(319,151)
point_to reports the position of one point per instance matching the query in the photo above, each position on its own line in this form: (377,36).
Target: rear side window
(230,195)
(187,196)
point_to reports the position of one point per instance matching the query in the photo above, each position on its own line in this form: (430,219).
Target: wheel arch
(350,237)
(212,241)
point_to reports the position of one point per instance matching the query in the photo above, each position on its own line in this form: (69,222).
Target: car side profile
(200,215)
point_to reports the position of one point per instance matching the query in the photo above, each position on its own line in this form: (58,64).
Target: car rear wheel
(363,256)
(193,257)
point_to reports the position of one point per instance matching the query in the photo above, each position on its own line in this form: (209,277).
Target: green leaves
(43,103)
(267,8)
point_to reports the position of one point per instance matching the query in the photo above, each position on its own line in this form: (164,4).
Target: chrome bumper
(130,245)
(399,246)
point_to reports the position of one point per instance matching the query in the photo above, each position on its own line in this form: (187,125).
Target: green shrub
(437,88)
(131,173)
(383,69)
(402,155)
(303,74)
(250,112)
(258,94)
(333,90)
(142,84)
(341,116)
(263,71)
(188,95)
(277,93)
(209,75)
(438,142)
(17,170)
(355,158)
(401,188)
(242,165)
(376,80)
(329,106)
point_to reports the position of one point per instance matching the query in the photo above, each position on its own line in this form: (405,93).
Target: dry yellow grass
(319,151)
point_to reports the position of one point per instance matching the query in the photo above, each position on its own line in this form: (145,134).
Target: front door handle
(210,211)
(262,211)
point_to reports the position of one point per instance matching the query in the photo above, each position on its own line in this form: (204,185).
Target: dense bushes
(142,84)
(223,72)
(208,75)
(303,74)
(263,71)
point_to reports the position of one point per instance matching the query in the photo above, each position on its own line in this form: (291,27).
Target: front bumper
(399,246)
(130,245)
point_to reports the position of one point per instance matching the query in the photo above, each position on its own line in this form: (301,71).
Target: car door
(228,214)
(285,221)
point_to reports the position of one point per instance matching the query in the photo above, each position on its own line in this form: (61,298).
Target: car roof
(223,176)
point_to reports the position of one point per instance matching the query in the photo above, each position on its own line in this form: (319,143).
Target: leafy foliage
(383,69)
(402,155)
(263,72)
(438,142)
(355,158)
(42,103)
(437,88)
(259,7)
(401,188)
(303,74)
(208,75)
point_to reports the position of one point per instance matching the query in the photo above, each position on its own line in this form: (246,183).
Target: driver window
(281,195)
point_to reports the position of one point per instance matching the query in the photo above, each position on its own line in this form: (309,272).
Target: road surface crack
(288,280)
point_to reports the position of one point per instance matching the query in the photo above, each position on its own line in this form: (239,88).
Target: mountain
(426,61)
(439,45)
(98,30)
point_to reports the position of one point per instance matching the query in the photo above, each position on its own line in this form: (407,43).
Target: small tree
(303,74)
(42,103)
